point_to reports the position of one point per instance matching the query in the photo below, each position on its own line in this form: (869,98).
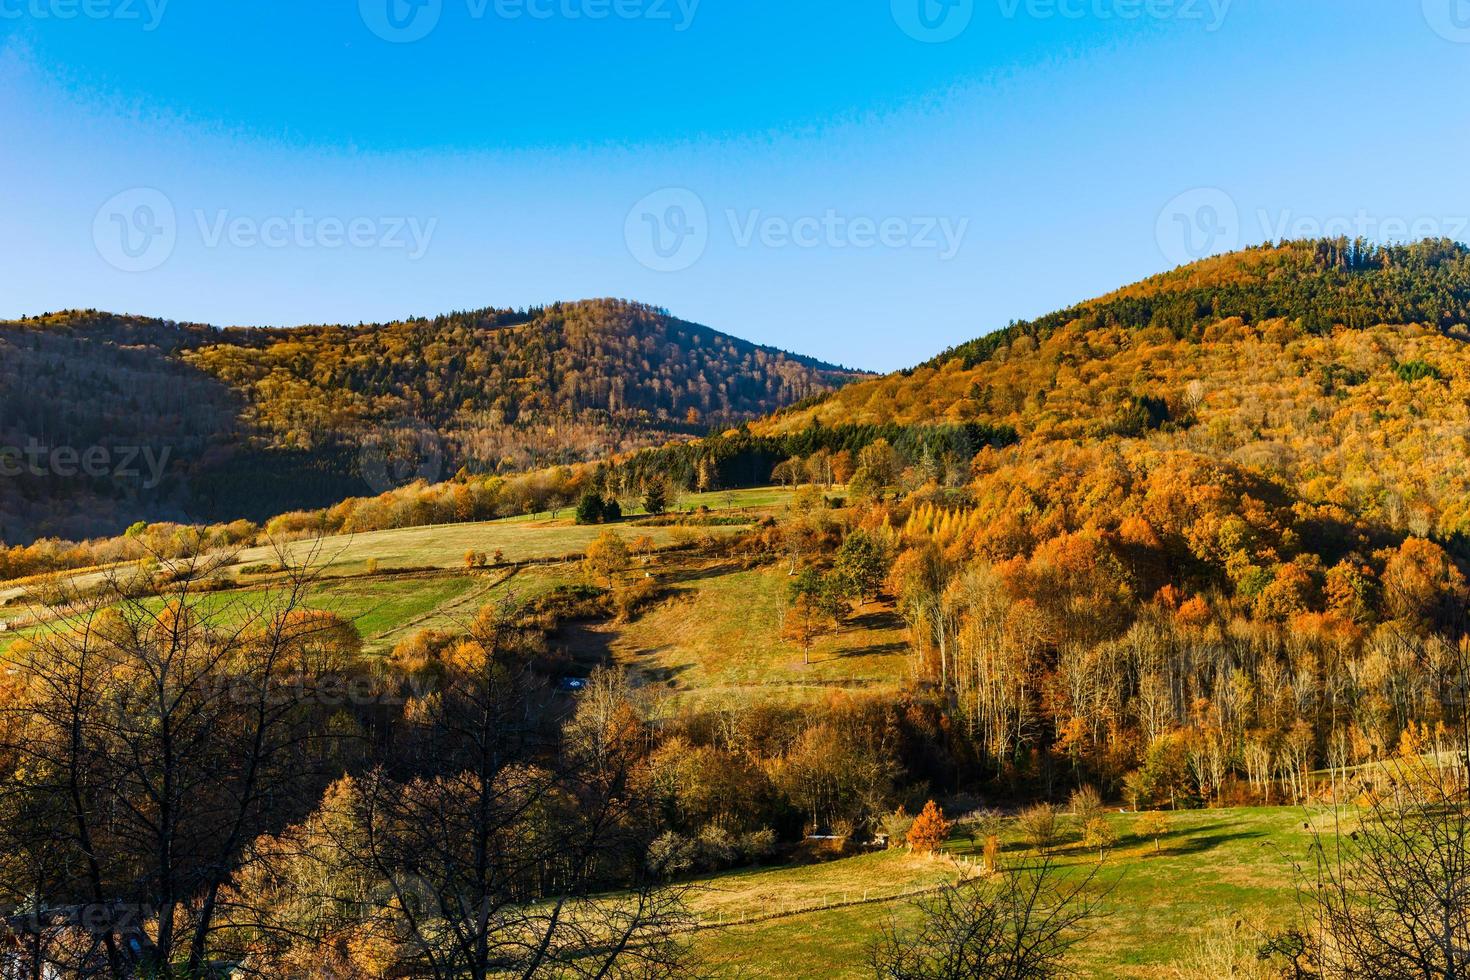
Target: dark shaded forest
(192,424)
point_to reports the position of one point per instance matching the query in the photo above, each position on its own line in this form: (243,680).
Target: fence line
(967,868)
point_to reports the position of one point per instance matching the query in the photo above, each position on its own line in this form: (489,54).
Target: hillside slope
(193,423)
(1337,370)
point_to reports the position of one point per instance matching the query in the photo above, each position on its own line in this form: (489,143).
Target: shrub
(635,596)
(670,854)
(1039,827)
(897,825)
(589,509)
(758,845)
(1155,825)
(1086,805)
(715,847)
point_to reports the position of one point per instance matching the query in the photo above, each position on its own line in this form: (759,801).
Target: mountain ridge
(261,420)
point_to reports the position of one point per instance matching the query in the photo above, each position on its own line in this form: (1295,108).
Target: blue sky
(867,181)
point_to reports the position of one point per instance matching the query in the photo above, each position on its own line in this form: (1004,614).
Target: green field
(521,539)
(388,607)
(717,638)
(1216,865)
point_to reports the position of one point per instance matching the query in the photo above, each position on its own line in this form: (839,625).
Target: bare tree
(495,838)
(1022,924)
(1388,892)
(160,733)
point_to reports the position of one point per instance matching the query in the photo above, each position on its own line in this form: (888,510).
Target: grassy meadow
(539,553)
(717,638)
(1214,866)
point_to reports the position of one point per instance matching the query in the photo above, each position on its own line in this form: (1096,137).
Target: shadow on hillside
(871,650)
(877,619)
(663,675)
(682,575)
(1183,843)
(584,645)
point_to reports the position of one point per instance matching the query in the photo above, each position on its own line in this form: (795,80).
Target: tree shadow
(1191,844)
(871,650)
(877,619)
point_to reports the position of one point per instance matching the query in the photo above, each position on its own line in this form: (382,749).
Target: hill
(106,419)
(1331,368)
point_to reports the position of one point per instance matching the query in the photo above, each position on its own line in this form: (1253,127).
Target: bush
(716,848)
(1087,805)
(929,831)
(897,825)
(671,854)
(1098,834)
(635,596)
(758,845)
(1153,825)
(1039,827)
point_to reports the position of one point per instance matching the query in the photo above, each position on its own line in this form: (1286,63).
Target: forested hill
(248,422)
(1337,370)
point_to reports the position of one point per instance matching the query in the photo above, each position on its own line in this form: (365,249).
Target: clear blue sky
(784,170)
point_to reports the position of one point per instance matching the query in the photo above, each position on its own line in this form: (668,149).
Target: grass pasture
(1215,865)
(717,638)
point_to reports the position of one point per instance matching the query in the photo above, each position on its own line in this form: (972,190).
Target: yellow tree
(607,557)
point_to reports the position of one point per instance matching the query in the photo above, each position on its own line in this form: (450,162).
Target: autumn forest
(632,609)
